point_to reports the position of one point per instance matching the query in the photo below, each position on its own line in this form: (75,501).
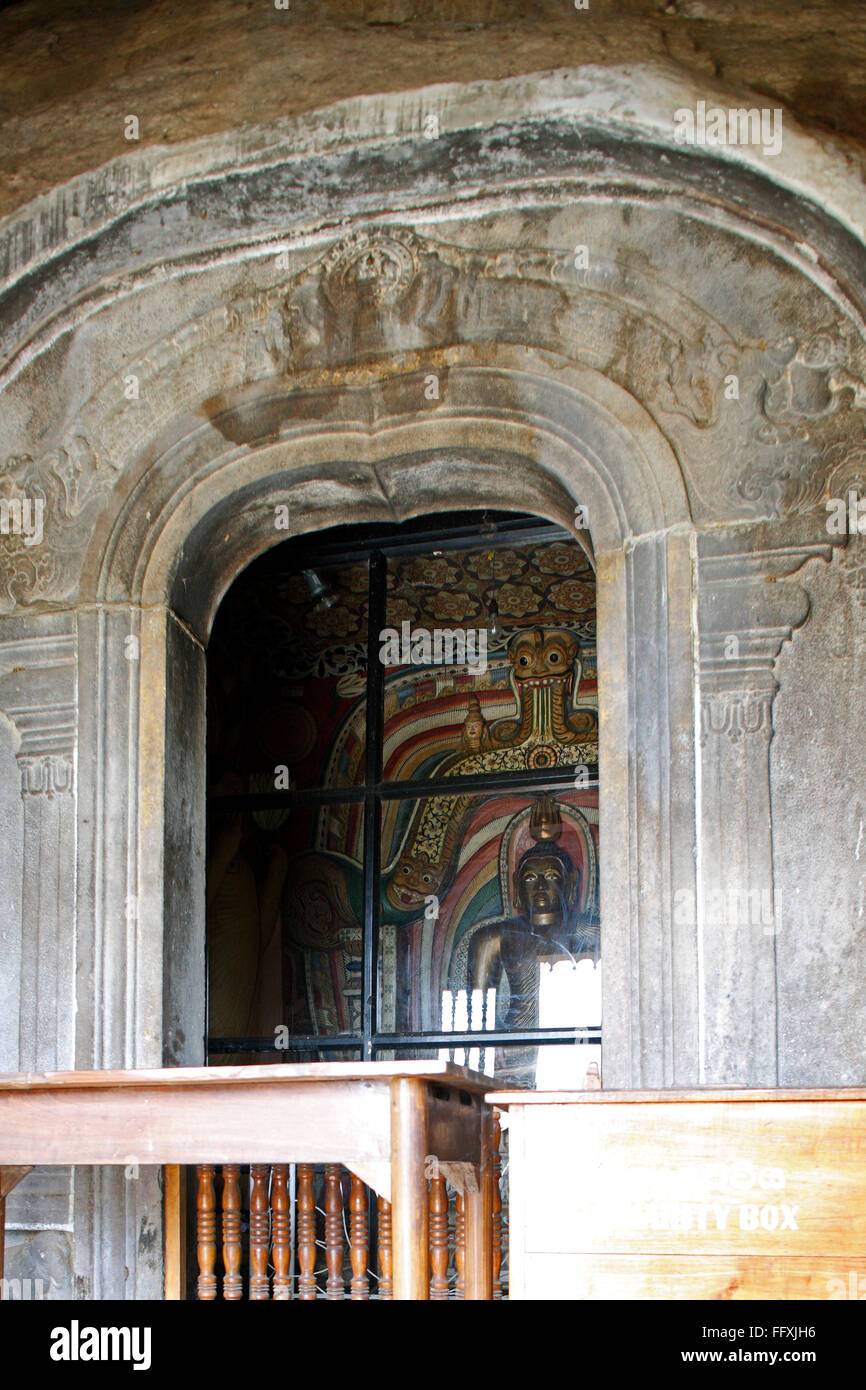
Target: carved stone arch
(522,430)
(532,433)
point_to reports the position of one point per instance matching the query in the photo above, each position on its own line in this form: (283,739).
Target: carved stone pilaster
(38,696)
(747,611)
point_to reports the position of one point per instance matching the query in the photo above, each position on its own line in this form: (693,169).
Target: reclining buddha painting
(403,802)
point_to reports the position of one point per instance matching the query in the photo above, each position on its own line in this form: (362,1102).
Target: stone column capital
(747,609)
(38,696)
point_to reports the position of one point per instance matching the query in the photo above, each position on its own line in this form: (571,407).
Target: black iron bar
(554,779)
(372,804)
(402,1042)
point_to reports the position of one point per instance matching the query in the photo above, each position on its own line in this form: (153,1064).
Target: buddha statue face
(545,887)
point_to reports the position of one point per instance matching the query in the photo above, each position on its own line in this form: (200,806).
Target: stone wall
(71,73)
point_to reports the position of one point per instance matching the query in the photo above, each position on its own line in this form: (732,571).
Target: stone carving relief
(37,695)
(69,484)
(259,330)
(808,398)
(381,291)
(803,481)
(48,775)
(845,472)
(813,381)
(792,398)
(732,714)
(853,562)
(695,377)
(373,290)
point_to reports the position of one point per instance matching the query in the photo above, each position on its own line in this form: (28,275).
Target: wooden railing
(402,1131)
(283,1231)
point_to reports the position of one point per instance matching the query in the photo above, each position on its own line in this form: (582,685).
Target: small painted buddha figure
(475,736)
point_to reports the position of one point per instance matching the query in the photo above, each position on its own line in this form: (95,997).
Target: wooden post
(232,1282)
(460,1245)
(280,1231)
(409,1188)
(205,1231)
(359,1249)
(334,1289)
(259,1232)
(438,1239)
(479,1221)
(174,1209)
(306,1233)
(497,1208)
(386,1251)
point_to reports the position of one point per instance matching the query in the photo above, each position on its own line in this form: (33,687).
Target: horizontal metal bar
(553,779)
(494,1038)
(346,1043)
(510,529)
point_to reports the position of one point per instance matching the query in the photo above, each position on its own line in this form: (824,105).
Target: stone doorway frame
(573,439)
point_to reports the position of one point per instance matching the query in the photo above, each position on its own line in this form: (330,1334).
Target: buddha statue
(548,927)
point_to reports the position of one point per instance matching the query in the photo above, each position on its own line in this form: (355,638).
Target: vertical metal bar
(372,805)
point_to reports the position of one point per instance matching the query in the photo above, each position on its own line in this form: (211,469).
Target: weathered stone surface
(71,75)
(818,764)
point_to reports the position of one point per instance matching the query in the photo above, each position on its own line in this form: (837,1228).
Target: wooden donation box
(686,1194)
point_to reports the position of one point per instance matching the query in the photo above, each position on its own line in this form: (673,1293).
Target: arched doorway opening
(403,800)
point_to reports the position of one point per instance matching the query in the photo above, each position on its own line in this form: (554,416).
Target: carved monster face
(543,656)
(415,878)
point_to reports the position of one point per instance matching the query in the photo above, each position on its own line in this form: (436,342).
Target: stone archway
(187,554)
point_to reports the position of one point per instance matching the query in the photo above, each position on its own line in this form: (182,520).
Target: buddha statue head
(546,881)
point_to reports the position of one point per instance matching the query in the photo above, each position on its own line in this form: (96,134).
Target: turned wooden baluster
(205,1231)
(497,1208)
(459,1243)
(232,1283)
(259,1231)
(358,1240)
(280,1211)
(438,1227)
(334,1232)
(386,1251)
(306,1233)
